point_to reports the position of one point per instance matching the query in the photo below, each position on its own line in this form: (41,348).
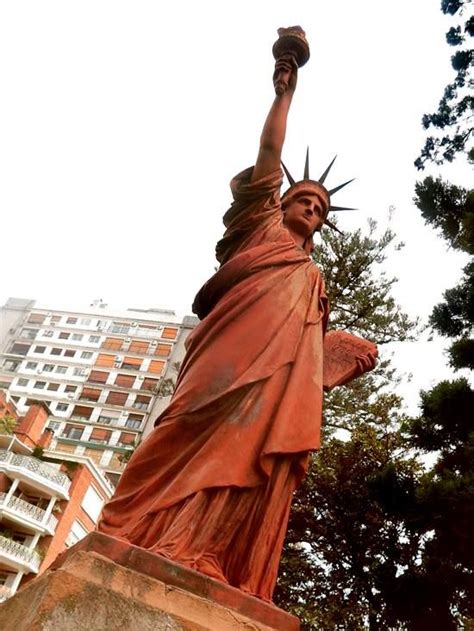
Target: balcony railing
(30,511)
(9,461)
(5,593)
(19,553)
(134,332)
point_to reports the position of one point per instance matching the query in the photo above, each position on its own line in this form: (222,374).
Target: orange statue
(211,486)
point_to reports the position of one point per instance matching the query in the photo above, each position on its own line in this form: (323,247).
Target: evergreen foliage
(452,121)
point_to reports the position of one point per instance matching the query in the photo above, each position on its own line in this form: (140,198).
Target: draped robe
(211,486)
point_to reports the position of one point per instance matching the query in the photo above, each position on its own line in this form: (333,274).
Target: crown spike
(336,208)
(288,175)
(333,226)
(324,175)
(306,165)
(338,188)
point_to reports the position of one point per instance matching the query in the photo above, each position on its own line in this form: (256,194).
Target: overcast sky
(121,124)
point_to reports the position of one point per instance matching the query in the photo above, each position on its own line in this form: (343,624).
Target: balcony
(19,557)
(27,515)
(35,473)
(5,593)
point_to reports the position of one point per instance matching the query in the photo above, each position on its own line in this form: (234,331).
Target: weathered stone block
(106,584)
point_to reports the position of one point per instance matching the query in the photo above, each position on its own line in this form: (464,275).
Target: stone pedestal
(103,583)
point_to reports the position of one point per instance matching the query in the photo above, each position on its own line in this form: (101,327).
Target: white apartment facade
(101,372)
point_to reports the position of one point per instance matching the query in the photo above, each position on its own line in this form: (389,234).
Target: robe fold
(246,411)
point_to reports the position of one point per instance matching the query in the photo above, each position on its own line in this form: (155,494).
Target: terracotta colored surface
(92,592)
(342,352)
(150,566)
(237,406)
(211,486)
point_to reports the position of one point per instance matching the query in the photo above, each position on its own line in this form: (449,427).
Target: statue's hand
(285,75)
(365,363)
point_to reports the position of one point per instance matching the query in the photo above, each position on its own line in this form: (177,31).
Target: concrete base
(105,584)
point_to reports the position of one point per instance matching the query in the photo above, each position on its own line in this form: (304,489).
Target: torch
(291,42)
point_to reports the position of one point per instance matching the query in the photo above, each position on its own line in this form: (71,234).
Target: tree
(453,118)
(7,423)
(344,548)
(442,584)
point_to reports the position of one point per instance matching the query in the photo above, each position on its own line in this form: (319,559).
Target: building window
(139,347)
(149,385)
(127,439)
(55,318)
(36,318)
(53,386)
(85,321)
(48,333)
(98,376)
(61,370)
(23,382)
(90,394)
(100,435)
(133,424)
(94,339)
(135,418)
(112,343)
(81,411)
(71,320)
(86,355)
(107,420)
(94,454)
(92,503)
(48,367)
(125,381)
(31,365)
(163,350)
(79,372)
(56,351)
(11,365)
(117,398)
(69,353)
(21,349)
(141,402)
(29,334)
(39,349)
(40,385)
(131,363)
(54,425)
(105,360)
(70,389)
(76,533)
(77,337)
(169,333)
(120,328)
(74,432)
(157,366)
(61,407)
(64,336)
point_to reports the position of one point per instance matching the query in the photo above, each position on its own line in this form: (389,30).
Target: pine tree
(452,122)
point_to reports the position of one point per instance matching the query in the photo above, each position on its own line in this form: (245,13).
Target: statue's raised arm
(274,130)
(290,50)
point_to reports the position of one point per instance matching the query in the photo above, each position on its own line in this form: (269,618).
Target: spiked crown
(315,186)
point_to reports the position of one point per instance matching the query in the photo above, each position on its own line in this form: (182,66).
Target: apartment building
(48,500)
(104,374)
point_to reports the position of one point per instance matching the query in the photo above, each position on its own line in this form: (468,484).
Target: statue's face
(304,214)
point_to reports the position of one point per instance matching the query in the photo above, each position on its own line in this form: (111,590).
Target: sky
(122,123)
